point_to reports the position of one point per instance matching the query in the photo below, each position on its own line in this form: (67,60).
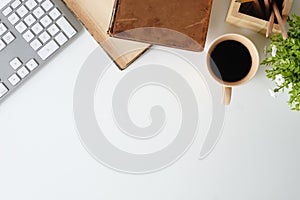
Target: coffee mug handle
(227,91)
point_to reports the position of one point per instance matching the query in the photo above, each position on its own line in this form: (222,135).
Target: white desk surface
(41,157)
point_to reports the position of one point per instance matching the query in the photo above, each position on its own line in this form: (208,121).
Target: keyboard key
(14,79)
(32,64)
(53,29)
(48,50)
(66,27)
(54,14)
(46,21)
(8,38)
(35,44)
(3,29)
(28,36)
(13,18)
(15,63)
(44,37)
(61,39)
(29,20)
(21,27)
(47,5)
(30,4)
(38,12)
(23,72)
(7,11)
(15,4)
(2,45)
(3,90)
(22,11)
(37,28)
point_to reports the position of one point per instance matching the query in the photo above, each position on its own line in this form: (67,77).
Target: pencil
(280,21)
(270,24)
(267,7)
(258,8)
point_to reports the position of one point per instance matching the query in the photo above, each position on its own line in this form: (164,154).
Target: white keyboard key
(46,21)
(14,79)
(48,50)
(66,27)
(29,20)
(3,90)
(32,64)
(21,27)
(15,4)
(44,37)
(2,45)
(38,12)
(53,29)
(35,44)
(3,29)
(37,28)
(8,38)
(23,72)
(30,4)
(22,11)
(13,18)
(15,63)
(7,11)
(47,5)
(61,39)
(28,35)
(54,14)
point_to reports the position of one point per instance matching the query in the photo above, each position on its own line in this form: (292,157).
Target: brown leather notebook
(175,23)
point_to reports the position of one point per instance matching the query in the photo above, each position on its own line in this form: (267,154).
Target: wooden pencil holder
(236,17)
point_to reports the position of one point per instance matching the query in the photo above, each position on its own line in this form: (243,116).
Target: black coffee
(230,61)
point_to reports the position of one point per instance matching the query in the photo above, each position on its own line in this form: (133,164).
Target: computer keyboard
(31,33)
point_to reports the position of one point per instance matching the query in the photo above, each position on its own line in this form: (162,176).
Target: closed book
(174,23)
(95,16)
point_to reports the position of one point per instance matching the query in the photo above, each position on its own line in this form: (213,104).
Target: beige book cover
(96,16)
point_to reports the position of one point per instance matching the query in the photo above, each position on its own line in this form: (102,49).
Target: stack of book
(127,28)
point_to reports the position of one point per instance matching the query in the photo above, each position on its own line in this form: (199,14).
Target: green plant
(283,60)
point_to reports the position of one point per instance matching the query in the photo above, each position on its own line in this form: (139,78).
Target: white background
(41,157)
